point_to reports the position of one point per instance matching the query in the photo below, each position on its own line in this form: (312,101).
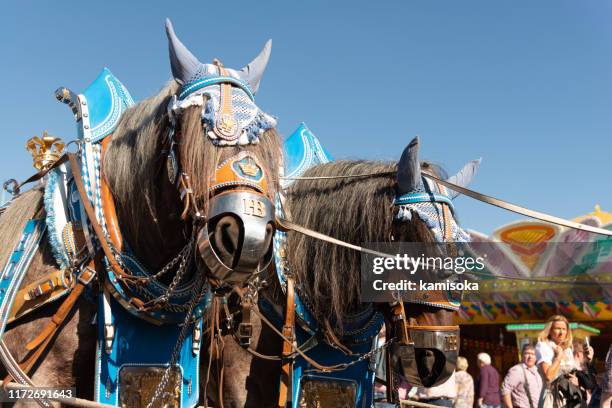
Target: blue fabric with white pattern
(14,271)
(427,203)
(252,122)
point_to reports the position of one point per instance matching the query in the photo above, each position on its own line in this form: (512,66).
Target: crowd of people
(555,372)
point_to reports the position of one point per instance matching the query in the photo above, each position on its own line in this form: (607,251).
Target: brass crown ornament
(249,168)
(45,150)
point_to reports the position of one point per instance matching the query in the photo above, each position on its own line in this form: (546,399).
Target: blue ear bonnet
(207,75)
(425,193)
(229,113)
(427,203)
(206,82)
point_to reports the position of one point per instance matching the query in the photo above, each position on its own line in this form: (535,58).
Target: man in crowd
(488,383)
(523,384)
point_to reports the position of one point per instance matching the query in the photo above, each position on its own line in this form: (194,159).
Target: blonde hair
(462,363)
(545,334)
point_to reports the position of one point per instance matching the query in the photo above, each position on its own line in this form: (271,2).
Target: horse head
(429,342)
(217,105)
(379,202)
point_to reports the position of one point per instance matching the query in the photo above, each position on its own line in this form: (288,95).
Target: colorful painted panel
(555,270)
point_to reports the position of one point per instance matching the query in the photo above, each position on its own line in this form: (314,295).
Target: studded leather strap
(446,213)
(286,389)
(40,292)
(117,269)
(108,206)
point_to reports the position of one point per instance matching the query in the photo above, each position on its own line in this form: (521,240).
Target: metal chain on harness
(166,268)
(163,301)
(362,357)
(184,259)
(250,295)
(197,292)
(320,367)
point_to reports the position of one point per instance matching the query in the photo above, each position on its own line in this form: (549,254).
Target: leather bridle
(239,187)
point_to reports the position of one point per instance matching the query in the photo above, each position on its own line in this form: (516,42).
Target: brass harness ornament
(45,150)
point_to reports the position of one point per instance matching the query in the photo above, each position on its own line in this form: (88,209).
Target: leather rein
(480,197)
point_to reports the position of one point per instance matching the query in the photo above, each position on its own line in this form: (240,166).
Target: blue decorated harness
(120,362)
(123,365)
(303,150)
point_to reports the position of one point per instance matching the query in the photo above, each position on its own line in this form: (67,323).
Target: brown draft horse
(149,209)
(355,210)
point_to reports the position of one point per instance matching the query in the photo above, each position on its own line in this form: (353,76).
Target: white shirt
(545,352)
(447,389)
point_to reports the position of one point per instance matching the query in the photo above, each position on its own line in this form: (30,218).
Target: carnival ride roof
(552,270)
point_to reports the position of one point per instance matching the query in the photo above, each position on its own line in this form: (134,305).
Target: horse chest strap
(286,389)
(41,292)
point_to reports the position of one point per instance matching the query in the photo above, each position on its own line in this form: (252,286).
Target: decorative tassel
(49,203)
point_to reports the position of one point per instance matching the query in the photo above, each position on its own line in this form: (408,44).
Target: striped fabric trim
(94,196)
(412,198)
(202,83)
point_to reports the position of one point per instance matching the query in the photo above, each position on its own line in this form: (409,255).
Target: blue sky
(525,85)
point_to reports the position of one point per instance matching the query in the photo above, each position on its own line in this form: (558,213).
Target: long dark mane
(148,206)
(356,210)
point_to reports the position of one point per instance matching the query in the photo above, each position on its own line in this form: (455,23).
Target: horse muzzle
(430,358)
(236,242)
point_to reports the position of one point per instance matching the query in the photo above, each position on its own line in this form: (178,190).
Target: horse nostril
(226,239)
(269,235)
(429,359)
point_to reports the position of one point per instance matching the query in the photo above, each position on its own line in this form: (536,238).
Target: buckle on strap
(42,289)
(289,333)
(245,332)
(86,275)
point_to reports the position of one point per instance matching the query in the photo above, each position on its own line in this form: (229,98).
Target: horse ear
(253,72)
(464,177)
(409,169)
(183,63)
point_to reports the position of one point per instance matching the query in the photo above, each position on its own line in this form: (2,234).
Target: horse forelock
(199,156)
(356,210)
